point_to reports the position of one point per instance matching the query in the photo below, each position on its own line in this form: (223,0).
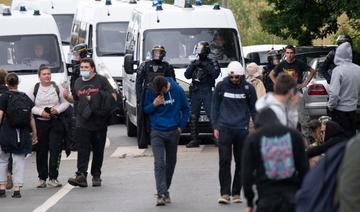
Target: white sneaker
(42,184)
(54,183)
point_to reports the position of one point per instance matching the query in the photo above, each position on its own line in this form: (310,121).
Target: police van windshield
(64,23)
(25,53)
(110,38)
(179,44)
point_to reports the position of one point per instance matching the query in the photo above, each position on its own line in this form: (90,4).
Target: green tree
(303,21)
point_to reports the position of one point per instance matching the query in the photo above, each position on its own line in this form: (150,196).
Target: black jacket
(334,134)
(203,73)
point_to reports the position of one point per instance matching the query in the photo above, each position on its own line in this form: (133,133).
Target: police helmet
(202,48)
(81,49)
(158,52)
(342,39)
(272,55)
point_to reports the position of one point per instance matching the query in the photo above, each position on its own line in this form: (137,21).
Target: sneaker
(193,144)
(224,199)
(96,181)
(54,183)
(167,199)
(16,194)
(160,200)
(79,180)
(236,199)
(42,184)
(2,193)
(9,182)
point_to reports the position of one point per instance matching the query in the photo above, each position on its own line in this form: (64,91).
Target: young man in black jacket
(274,160)
(233,104)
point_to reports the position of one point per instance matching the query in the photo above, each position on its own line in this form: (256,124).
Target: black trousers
(50,139)
(230,143)
(345,119)
(277,202)
(86,141)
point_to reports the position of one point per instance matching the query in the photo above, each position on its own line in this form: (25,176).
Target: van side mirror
(253,58)
(129,63)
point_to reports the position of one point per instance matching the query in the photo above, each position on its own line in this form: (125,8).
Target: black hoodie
(273,158)
(334,134)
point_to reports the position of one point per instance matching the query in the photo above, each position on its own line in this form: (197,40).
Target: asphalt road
(128,182)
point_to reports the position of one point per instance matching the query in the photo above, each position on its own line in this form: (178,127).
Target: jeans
(50,139)
(230,143)
(86,141)
(280,202)
(164,147)
(18,171)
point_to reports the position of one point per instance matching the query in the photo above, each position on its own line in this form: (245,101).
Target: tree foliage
(307,20)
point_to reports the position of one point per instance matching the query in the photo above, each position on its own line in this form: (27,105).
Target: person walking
(233,95)
(274,160)
(203,71)
(145,74)
(344,90)
(91,121)
(167,107)
(49,106)
(16,122)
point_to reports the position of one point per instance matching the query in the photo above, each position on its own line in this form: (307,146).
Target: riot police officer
(328,65)
(146,72)
(79,51)
(273,59)
(203,71)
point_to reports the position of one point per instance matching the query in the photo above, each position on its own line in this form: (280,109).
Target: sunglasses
(234,77)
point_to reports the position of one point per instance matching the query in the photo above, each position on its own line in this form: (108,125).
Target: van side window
(75,34)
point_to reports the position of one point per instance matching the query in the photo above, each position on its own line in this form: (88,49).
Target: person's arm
(248,169)
(63,103)
(215,107)
(151,102)
(324,67)
(318,150)
(67,96)
(184,109)
(272,76)
(33,129)
(334,90)
(140,77)
(190,70)
(309,77)
(172,72)
(301,163)
(252,101)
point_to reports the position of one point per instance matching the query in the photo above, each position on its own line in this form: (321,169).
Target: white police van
(102,26)
(22,34)
(178,28)
(62,11)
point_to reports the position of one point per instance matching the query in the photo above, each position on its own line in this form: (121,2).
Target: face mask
(85,74)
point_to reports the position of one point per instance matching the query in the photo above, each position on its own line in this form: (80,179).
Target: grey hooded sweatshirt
(345,81)
(287,114)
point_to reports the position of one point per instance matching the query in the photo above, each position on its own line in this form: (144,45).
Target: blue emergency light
(36,12)
(6,12)
(108,2)
(216,6)
(198,2)
(22,8)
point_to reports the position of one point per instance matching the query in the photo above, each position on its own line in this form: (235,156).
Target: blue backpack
(318,187)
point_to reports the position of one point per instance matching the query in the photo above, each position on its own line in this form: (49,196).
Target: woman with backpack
(16,120)
(254,73)
(49,106)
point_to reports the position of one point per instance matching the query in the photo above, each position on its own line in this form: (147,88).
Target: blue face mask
(85,74)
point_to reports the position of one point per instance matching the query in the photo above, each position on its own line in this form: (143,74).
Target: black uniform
(146,72)
(328,65)
(203,74)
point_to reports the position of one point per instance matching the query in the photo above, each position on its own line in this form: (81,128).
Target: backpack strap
(57,89)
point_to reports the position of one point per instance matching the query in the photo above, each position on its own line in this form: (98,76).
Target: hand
(247,209)
(54,111)
(302,85)
(34,138)
(159,100)
(45,115)
(216,133)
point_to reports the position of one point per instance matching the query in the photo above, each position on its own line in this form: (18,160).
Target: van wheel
(130,127)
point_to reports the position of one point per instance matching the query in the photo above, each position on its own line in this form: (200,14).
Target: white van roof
(24,23)
(48,6)
(196,17)
(97,11)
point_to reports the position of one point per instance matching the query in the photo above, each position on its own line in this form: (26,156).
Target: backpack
(318,187)
(18,111)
